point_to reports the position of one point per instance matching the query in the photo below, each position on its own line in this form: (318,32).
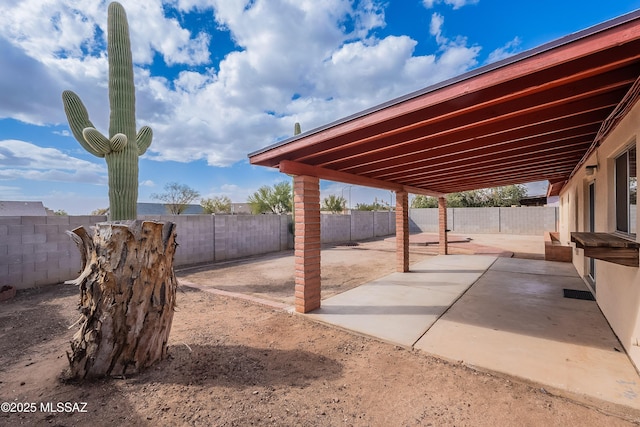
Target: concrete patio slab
(497,314)
(462,245)
(515,320)
(401,307)
(533,266)
(424,239)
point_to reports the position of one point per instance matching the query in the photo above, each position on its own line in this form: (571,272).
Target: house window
(626,191)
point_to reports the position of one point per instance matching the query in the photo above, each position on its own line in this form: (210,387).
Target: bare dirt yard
(236,362)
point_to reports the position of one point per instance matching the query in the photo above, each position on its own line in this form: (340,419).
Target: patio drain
(576,294)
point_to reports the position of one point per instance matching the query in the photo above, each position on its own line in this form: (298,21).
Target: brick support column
(306,190)
(402,231)
(443,247)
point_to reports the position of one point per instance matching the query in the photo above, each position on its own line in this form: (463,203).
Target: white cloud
(236,193)
(296,60)
(457,4)
(360,67)
(435,27)
(73,28)
(509,49)
(8,192)
(23,160)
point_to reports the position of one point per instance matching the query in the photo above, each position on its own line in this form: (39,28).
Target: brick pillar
(443,247)
(402,231)
(306,191)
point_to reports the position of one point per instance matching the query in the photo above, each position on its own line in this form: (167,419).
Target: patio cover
(531,117)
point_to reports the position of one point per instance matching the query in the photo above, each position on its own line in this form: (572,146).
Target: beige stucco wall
(617,287)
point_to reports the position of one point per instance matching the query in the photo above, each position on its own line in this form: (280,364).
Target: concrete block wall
(335,228)
(244,235)
(384,223)
(195,237)
(424,220)
(286,234)
(530,220)
(207,238)
(36,251)
(518,220)
(359,225)
(475,220)
(362,225)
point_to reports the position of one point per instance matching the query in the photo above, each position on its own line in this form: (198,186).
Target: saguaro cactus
(123,146)
(127,283)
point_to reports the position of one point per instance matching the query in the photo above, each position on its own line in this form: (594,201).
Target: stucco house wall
(617,287)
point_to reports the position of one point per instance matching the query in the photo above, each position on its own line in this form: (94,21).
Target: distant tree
(61,212)
(277,199)
(217,204)
(509,195)
(489,197)
(467,199)
(176,197)
(100,211)
(333,203)
(421,201)
(375,206)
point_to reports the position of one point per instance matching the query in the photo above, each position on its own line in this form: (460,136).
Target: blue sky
(218,79)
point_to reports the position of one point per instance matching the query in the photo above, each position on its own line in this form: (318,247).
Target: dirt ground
(272,276)
(343,267)
(234,362)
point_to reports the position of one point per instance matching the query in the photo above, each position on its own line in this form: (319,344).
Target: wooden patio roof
(531,117)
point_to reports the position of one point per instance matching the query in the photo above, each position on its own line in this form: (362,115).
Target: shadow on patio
(496,314)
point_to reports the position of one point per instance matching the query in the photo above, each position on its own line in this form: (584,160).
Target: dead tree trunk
(127,297)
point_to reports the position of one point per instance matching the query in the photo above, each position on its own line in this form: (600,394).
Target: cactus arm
(78,119)
(143,139)
(118,142)
(97,141)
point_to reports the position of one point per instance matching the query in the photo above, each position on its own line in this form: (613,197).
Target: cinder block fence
(517,220)
(36,251)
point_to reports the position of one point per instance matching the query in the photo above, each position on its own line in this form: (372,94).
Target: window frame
(623,207)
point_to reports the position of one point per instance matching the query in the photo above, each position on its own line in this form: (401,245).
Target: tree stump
(127,297)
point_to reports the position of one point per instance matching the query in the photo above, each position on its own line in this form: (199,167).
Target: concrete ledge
(554,250)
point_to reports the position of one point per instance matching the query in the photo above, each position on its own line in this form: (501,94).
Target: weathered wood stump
(127,297)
